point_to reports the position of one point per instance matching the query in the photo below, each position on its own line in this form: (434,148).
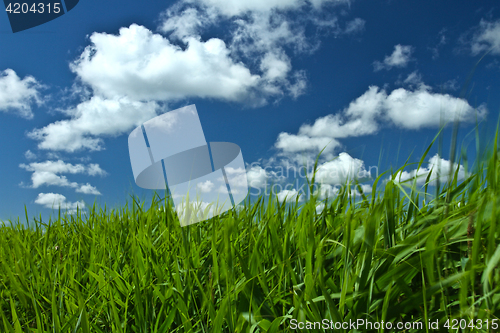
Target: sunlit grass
(397,254)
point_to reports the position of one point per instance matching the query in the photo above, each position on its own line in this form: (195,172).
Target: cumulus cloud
(92,119)
(48,173)
(146,66)
(288,195)
(440,169)
(257,177)
(422,108)
(409,109)
(55,200)
(399,58)
(341,169)
(18,95)
(487,37)
(290,143)
(88,189)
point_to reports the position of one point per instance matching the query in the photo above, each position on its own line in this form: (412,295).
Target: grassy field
(400,254)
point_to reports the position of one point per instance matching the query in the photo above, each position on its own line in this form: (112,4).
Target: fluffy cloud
(146,66)
(341,169)
(257,177)
(487,37)
(18,94)
(49,173)
(91,119)
(422,108)
(409,109)
(399,58)
(290,143)
(440,169)
(288,195)
(55,200)
(88,189)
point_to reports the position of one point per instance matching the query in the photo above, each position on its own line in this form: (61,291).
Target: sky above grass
(369,80)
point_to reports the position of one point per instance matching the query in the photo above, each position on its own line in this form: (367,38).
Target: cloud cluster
(55,200)
(48,173)
(18,95)
(409,109)
(399,58)
(129,77)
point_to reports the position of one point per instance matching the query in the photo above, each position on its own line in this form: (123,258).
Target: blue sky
(371,80)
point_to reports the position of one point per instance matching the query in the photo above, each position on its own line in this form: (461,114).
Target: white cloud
(442,41)
(359,118)
(29,155)
(365,115)
(55,200)
(88,189)
(257,177)
(409,109)
(94,169)
(450,85)
(48,173)
(413,79)
(261,33)
(188,22)
(275,66)
(486,38)
(399,58)
(288,195)
(340,170)
(422,108)
(123,77)
(146,66)
(355,26)
(238,7)
(290,143)
(91,119)
(366,188)
(206,186)
(440,170)
(18,94)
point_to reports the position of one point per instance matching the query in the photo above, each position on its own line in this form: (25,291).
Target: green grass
(398,254)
